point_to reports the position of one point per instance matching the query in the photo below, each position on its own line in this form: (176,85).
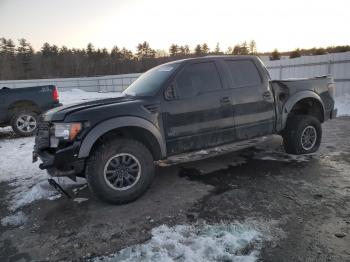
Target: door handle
(225,100)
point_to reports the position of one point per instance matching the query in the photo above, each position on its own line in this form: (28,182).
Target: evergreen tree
(126,54)
(217,50)
(236,50)
(116,53)
(7,59)
(145,51)
(296,53)
(275,55)
(46,50)
(205,49)
(90,50)
(198,50)
(24,55)
(252,48)
(174,50)
(319,51)
(244,50)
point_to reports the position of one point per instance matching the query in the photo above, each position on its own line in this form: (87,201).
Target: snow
(27,182)
(270,155)
(342,103)
(77,96)
(220,242)
(80,199)
(14,220)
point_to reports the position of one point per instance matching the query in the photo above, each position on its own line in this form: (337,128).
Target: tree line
(21,61)
(275,55)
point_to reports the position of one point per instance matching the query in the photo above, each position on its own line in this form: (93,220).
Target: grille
(42,139)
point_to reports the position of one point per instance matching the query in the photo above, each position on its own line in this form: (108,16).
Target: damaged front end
(58,160)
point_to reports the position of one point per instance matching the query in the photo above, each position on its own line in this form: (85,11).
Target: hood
(60,113)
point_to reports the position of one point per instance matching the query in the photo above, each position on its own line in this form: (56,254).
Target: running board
(210,152)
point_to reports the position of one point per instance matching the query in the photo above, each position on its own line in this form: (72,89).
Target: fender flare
(115,123)
(295,99)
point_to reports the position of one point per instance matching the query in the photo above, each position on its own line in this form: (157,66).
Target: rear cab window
(243,73)
(198,78)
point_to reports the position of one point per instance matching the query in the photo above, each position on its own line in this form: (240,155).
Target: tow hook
(59,189)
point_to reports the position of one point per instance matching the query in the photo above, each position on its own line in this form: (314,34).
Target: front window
(150,82)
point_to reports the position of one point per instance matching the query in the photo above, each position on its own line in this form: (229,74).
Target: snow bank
(343,105)
(28,183)
(223,242)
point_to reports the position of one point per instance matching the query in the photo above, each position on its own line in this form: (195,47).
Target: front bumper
(63,162)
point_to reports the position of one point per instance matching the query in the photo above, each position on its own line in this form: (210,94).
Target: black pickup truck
(174,110)
(20,107)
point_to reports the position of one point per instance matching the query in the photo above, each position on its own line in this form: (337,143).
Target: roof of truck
(203,58)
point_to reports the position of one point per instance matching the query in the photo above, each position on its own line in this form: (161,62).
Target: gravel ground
(303,202)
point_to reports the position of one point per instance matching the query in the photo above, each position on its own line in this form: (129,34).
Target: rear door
(253,103)
(198,112)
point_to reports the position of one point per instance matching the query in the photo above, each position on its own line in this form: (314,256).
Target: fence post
(280,74)
(329,67)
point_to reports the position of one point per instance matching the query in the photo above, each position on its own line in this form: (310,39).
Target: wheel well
(21,105)
(308,106)
(137,133)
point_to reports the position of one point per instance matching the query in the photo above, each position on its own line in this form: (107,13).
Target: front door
(200,115)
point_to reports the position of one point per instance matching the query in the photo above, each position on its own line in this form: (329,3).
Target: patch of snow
(16,219)
(342,103)
(80,199)
(54,197)
(281,156)
(76,190)
(6,129)
(221,242)
(202,152)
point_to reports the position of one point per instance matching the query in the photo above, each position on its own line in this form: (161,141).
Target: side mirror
(170,92)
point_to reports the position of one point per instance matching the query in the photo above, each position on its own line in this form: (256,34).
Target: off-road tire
(18,115)
(95,170)
(292,135)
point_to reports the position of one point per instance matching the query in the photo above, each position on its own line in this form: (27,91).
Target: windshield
(149,83)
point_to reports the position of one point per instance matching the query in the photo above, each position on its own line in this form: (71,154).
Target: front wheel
(119,171)
(302,135)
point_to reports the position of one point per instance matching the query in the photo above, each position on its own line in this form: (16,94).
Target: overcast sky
(280,24)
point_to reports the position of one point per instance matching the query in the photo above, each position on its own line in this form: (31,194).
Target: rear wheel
(302,135)
(120,170)
(24,123)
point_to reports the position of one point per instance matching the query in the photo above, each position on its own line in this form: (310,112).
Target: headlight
(66,131)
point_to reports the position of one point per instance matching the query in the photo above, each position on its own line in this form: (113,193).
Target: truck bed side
(290,93)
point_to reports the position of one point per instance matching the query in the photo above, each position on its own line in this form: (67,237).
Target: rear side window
(243,73)
(197,78)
